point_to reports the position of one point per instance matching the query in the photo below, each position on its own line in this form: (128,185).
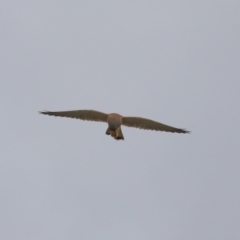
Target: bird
(115,121)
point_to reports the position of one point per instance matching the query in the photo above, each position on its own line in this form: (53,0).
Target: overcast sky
(176,62)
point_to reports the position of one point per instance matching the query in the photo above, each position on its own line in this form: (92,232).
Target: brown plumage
(115,121)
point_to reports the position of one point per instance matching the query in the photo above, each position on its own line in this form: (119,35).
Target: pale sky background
(176,62)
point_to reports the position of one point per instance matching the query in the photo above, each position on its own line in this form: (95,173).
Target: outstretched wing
(148,124)
(89,115)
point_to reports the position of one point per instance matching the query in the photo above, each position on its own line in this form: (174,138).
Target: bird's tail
(117,134)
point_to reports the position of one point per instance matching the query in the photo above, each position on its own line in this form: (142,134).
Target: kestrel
(115,121)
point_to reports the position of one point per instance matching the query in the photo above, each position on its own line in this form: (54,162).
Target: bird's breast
(114,121)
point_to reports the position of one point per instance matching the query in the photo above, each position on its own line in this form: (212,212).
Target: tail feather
(117,134)
(108,132)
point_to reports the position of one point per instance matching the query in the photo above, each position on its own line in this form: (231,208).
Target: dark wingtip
(181,130)
(186,131)
(43,112)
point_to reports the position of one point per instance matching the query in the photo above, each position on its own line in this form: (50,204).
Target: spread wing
(89,115)
(148,124)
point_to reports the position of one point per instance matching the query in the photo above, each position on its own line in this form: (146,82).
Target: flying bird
(115,121)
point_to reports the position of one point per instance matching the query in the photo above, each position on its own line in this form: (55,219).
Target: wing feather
(148,124)
(89,115)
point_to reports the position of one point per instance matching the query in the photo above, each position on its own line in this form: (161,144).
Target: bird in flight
(115,121)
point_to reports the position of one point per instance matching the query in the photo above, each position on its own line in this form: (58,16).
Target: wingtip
(186,131)
(182,130)
(42,112)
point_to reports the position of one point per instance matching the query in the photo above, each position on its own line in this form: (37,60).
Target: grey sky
(176,62)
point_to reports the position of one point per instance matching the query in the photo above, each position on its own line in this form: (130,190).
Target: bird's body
(114,126)
(115,121)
